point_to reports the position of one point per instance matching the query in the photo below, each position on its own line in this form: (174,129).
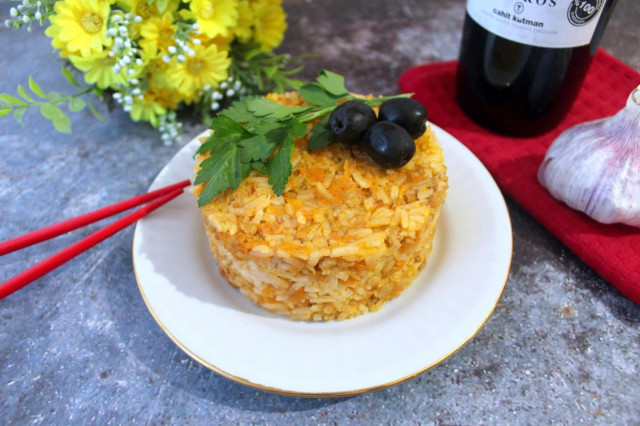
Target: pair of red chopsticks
(154,199)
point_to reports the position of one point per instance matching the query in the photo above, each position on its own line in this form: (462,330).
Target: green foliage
(260,71)
(258,134)
(320,135)
(49,104)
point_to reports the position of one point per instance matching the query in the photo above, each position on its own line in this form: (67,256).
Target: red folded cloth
(613,251)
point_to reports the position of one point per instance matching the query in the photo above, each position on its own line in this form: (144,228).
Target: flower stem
(372,102)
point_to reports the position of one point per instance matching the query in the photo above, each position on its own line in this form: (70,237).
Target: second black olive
(388,145)
(406,113)
(350,120)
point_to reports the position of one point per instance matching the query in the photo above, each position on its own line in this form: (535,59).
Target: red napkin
(613,251)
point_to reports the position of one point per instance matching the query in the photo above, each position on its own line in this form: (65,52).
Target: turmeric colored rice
(345,237)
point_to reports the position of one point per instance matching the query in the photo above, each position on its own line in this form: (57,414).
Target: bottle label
(543,23)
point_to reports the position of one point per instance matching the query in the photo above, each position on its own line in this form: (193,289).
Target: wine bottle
(522,63)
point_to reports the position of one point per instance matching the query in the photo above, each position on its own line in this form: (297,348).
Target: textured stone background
(79,346)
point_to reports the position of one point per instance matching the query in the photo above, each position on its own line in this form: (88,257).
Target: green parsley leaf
(279,167)
(222,172)
(258,134)
(259,167)
(224,129)
(264,107)
(256,148)
(333,83)
(238,112)
(320,136)
(315,94)
(261,126)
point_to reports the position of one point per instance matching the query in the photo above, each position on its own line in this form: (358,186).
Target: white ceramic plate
(218,327)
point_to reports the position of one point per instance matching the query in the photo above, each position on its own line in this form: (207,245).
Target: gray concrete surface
(79,347)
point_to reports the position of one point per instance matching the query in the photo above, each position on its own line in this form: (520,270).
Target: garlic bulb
(594,167)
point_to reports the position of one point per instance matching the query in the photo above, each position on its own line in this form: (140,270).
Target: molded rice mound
(345,237)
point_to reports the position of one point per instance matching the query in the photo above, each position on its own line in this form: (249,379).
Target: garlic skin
(594,167)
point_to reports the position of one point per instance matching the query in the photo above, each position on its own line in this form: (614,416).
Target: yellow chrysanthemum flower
(157,34)
(146,9)
(243,30)
(56,43)
(79,26)
(270,23)
(157,73)
(207,67)
(98,70)
(166,98)
(215,17)
(147,109)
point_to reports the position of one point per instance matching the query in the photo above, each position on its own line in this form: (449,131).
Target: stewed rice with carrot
(345,237)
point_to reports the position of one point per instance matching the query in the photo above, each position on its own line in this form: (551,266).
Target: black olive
(350,120)
(406,113)
(388,145)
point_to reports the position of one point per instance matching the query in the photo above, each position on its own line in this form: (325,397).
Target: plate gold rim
(285,392)
(352,392)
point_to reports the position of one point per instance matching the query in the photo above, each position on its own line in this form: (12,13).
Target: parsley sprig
(257,133)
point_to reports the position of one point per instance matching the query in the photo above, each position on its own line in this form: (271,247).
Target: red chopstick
(65,226)
(47,265)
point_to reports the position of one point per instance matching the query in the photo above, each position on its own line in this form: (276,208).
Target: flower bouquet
(155,57)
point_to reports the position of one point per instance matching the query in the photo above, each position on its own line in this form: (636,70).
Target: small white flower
(137,19)
(127,108)
(230,92)
(127,44)
(8,23)
(134,81)
(207,88)
(230,79)
(181,58)
(139,61)
(171,49)
(13,12)
(128,16)
(128,99)
(216,96)
(223,85)
(112,31)
(166,58)
(196,41)
(116,18)
(25,19)
(130,72)
(191,52)
(195,27)
(236,85)
(136,91)
(117,95)
(215,106)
